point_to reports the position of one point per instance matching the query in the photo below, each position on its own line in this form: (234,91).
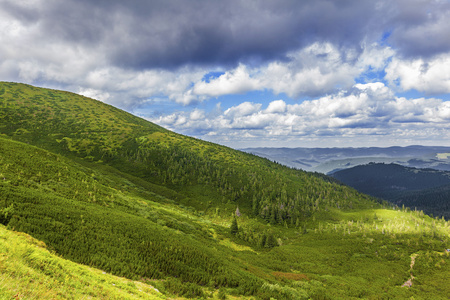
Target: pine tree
(262,240)
(255,206)
(271,241)
(234,229)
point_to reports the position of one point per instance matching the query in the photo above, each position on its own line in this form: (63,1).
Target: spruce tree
(255,208)
(234,229)
(271,241)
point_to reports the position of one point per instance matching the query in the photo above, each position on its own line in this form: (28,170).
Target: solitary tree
(271,241)
(234,227)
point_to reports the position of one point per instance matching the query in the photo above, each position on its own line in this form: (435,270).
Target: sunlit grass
(234,246)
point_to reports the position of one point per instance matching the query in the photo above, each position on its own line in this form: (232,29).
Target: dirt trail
(409,283)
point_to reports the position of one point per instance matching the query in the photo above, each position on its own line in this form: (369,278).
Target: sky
(246,73)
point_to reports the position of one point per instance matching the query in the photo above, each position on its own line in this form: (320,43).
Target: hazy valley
(329,160)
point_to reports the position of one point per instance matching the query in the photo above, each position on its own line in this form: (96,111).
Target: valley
(330,160)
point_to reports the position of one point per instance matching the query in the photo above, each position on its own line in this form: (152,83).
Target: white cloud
(368,111)
(430,76)
(236,81)
(443,111)
(278,106)
(129,89)
(317,69)
(375,57)
(255,121)
(197,114)
(167,120)
(243,109)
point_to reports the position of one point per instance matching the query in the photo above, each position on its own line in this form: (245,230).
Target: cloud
(129,89)
(368,110)
(172,34)
(243,109)
(278,106)
(418,110)
(431,76)
(236,81)
(164,48)
(162,34)
(317,69)
(420,28)
(197,114)
(313,71)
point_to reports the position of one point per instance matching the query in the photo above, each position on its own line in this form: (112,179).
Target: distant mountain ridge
(329,160)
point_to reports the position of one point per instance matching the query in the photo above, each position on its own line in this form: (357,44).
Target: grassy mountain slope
(100,219)
(29,271)
(106,189)
(195,173)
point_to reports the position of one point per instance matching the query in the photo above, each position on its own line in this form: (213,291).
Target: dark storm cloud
(213,32)
(421,27)
(148,34)
(21,13)
(62,21)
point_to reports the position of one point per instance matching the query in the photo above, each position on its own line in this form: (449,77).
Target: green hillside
(193,172)
(29,271)
(103,188)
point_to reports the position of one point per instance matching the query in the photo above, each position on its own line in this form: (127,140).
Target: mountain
(102,188)
(426,189)
(329,160)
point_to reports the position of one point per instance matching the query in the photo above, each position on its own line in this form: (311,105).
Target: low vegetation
(29,271)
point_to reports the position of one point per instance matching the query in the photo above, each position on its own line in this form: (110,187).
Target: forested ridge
(424,189)
(104,188)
